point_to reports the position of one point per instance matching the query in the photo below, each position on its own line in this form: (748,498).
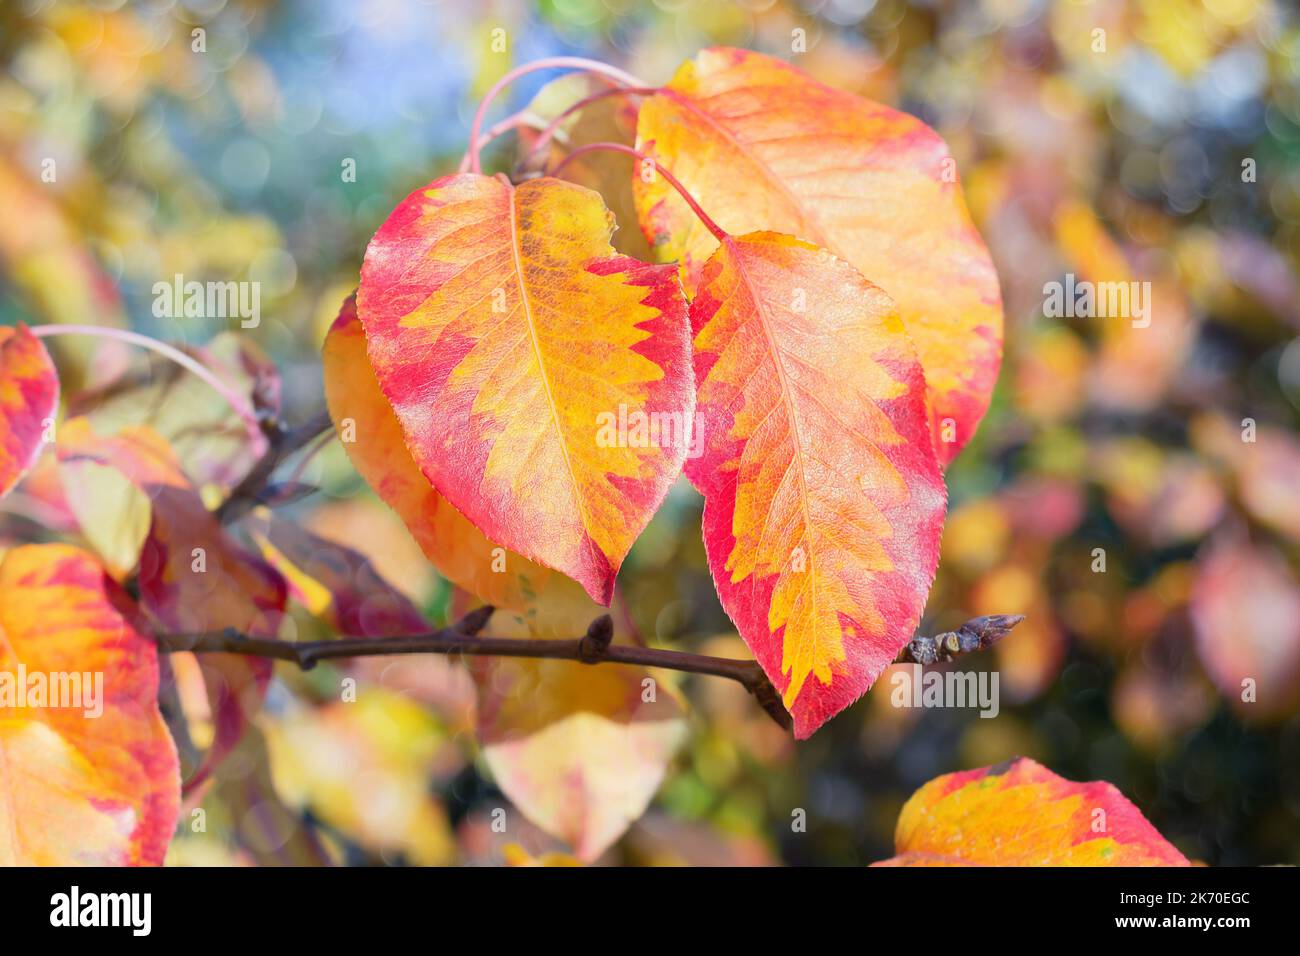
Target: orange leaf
(520,356)
(29,396)
(77,789)
(1139,357)
(823,501)
(761,145)
(1021,814)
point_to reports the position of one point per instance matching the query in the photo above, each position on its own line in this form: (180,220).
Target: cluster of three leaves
(505,334)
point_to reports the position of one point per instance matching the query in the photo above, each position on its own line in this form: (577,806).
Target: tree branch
(595,647)
(282,443)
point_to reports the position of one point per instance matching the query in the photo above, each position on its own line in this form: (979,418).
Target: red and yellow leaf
(29,396)
(77,789)
(506,336)
(761,145)
(823,499)
(1021,814)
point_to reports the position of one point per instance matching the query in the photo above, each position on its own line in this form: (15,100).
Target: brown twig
(595,647)
(282,443)
(977,634)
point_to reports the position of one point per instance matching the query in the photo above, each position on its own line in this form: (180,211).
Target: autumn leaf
(513,345)
(363,767)
(193,577)
(575,748)
(110,510)
(823,499)
(49,258)
(79,790)
(1268,473)
(1021,814)
(1142,349)
(40,496)
(580,750)
(335,582)
(761,145)
(29,397)
(190,569)
(372,437)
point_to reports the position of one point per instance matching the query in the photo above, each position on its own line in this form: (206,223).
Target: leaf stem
(718,232)
(524,117)
(595,647)
(547,63)
(553,127)
(235,400)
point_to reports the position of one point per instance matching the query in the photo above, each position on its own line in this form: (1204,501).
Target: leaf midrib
(517,258)
(765,323)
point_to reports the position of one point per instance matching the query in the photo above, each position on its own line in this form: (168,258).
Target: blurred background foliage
(1166,153)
